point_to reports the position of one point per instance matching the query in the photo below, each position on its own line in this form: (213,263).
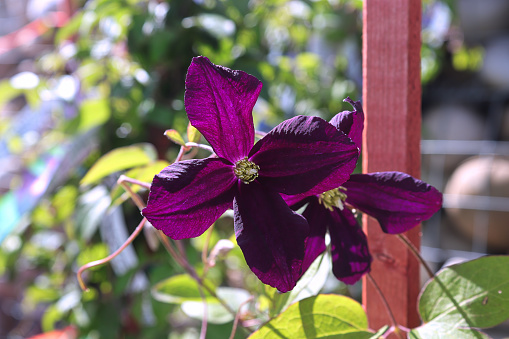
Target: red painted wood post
(392,103)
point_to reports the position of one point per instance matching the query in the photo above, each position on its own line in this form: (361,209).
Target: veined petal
(397,200)
(317,217)
(219,103)
(188,196)
(351,123)
(304,155)
(349,247)
(270,235)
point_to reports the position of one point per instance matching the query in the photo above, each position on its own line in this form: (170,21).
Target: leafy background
(96,104)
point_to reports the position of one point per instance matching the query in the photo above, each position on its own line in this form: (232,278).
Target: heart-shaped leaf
(322,316)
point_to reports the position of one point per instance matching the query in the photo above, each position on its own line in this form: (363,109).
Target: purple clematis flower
(302,154)
(397,200)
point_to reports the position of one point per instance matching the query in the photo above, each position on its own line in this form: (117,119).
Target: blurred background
(80,79)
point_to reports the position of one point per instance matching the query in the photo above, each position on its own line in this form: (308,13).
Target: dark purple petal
(187,197)
(304,155)
(349,247)
(318,219)
(397,200)
(270,235)
(219,103)
(351,123)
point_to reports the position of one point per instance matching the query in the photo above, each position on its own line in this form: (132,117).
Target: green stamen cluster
(246,170)
(333,198)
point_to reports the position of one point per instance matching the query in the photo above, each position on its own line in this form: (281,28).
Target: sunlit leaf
(120,159)
(175,136)
(144,173)
(473,294)
(477,293)
(7,92)
(180,288)
(217,313)
(193,135)
(440,330)
(69,29)
(323,316)
(312,281)
(92,253)
(380,332)
(50,317)
(93,113)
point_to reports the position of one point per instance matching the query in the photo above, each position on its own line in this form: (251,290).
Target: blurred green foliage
(120,66)
(119,69)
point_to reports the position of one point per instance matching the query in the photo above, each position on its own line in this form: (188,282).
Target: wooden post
(392,103)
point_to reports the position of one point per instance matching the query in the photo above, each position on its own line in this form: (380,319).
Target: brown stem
(237,317)
(205,251)
(202,146)
(203,331)
(122,181)
(416,253)
(387,307)
(124,178)
(110,257)
(182,151)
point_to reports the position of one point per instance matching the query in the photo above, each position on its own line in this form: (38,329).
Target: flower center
(246,170)
(333,198)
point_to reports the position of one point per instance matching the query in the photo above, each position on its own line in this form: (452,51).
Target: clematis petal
(318,220)
(270,235)
(397,200)
(219,103)
(351,123)
(349,247)
(187,197)
(304,155)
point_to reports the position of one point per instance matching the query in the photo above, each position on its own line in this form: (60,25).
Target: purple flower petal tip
(219,103)
(349,247)
(351,122)
(397,200)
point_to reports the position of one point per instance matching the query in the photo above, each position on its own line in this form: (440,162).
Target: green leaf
(216,313)
(120,159)
(51,316)
(380,332)
(462,297)
(193,135)
(93,113)
(142,173)
(323,316)
(7,92)
(175,136)
(437,330)
(474,293)
(69,29)
(180,288)
(312,281)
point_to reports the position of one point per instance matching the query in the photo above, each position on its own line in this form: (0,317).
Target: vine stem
(129,240)
(190,270)
(387,307)
(178,253)
(205,147)
(123,180)
(205,251)
(416,253)
(204,322)
(237,317)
